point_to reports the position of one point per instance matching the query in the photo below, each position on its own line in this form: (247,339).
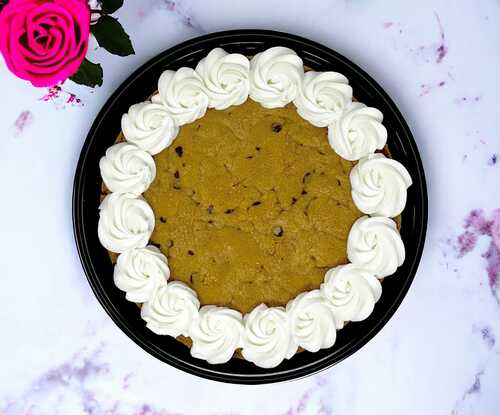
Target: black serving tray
(99,269)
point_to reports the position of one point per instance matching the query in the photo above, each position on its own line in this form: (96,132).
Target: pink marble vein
(473,389)
(486,334)
(427,88)
(78,384)
(304,405)
(180,11)
(476,225)
(23,120)
(69,376)
(434,52)
(442,49)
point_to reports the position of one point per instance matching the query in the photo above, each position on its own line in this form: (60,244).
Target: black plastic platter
(99,269)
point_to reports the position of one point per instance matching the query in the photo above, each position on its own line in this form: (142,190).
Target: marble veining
(473,389)
(439,354)
(486,333)
(24,119)
(476,225)
(441,49)
(178,8)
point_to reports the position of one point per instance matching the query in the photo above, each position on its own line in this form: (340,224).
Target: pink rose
(44,41)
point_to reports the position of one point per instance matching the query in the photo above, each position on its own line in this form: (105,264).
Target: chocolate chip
(303,192)
(256,203)
(339,183)
(257,148)
(294,200)
(191,253)
(276,127)
(179,150)
(249,157)
(278,231)
(228,211)
(210,221)
(176,174)
(162,219)
(305,177)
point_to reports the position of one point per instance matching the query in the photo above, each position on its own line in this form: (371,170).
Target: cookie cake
(252,207)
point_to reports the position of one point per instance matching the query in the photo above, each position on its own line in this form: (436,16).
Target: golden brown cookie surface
(252,205)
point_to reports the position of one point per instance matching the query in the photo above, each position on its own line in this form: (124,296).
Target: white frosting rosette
(312,321)
(275,77)
(171,310)
(267,339)
(125,222)
(323,97)
(358,132)
(140,271)
(183,94)
(216,334)
(352,293)
(226,78)
(379,185)
(149,126)
(127,169)
(375,245)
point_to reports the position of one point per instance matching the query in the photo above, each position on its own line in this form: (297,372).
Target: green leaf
(3,3)
(110,35)
(111,6)
(89,74)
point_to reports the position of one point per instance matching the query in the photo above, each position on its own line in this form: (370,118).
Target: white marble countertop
(438,59)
